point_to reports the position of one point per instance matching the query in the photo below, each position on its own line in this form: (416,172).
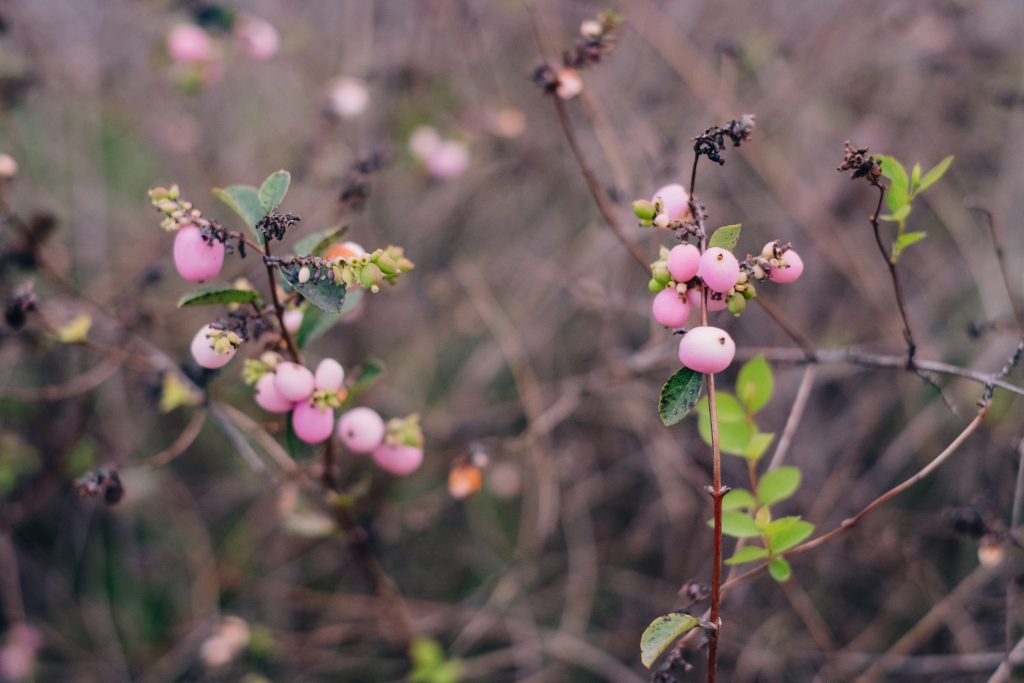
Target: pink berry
(268,397)
(188,43)
(683,262)
(669,309)
(719,269)
(259,38)
(792,272)
(694,298)
(400,460)
(329,375)
(203,352)
(675,201)
(293,382)
(312,424)
(195,258)
(361,430)
(706,349)
(293,320)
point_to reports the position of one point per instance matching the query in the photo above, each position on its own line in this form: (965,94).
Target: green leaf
(366,376)
(790,535)
(904,241)
(662,634)
(898,193)
(316,323)
(315,244)
(725,237)
(679,395)
(220,294)
(757,445)
(273,190)
(777,484)
(734,427)
(324,294)
(939,170)
(898,216)
(748,554)
(738,499)
(737,524)
(915,179)
(76,330)
(245,201)
(780,570)
(754,384)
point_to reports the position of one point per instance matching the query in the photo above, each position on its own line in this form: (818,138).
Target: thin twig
(997,244)
(293,351)
(908,334)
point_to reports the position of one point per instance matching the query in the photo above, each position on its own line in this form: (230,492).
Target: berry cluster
(683,278)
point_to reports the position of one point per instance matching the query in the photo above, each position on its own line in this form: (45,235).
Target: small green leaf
(245,201)
(662,634)
(757,445)
(748,554)
(175,393)
(899,216)
(725,237)
(897,195)
(777,484)
(915,179)
(220,294)
(738,499)
(780,570)
(790,535)
(315,244)
(904,241)
(737,524)
(734,427)
(324,294)
(939,170)
(273,190)
(754,384)
(678,395)
(76,330)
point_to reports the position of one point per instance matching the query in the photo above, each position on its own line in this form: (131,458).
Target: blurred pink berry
(187,43)
(570,83)
(329,375)
(293,382)
(293,320)
(706,349)
(694,298)
(259,38)
(311,423)
(669,309)
(195,258)
(683,261)
(423,141)
(791,273)
(719,269)
(448,160)
(204,353)
(268,397)
(399,460)
(361,430)
(675,200)
(347,97)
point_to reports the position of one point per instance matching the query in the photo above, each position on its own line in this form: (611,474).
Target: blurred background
(523,334)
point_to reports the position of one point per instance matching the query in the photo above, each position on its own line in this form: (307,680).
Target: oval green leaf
(780,570)
(273,190)
(777,484)
(751,553)
(790,535)
(754,384)
(738,499)
(939,170)
(662,634)
(678,395)
(220,294)
(243,200)
(324,294)
(725,237)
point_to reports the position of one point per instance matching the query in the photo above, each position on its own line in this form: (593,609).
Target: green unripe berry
(736,304)
(661,274)
(644,210)
(655,286)
(749,292)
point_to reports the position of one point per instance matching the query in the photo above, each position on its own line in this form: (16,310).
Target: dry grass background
(524,329)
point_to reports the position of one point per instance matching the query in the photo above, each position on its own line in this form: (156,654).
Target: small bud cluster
(683,278)
(357,269)
(274,225)
(860,161)
(711,142)
(597,39)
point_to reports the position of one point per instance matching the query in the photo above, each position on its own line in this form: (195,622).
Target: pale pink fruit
(293,382)
(361,430)
(693,297)
(203,352)
(347,97)
(683,261)
(187,43)
(423,141)
(719,269)
(293,320)
(706,349)
(259,38)
(793,271)
(669,309)
(268,397)
(399,460)
(312,424)
(675,201)
(329,375)
(195,258)
(570,83)
(449,160)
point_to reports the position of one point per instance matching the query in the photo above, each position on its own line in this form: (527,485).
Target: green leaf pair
(900,197)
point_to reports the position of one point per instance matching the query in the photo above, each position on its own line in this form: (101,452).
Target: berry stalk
(278,308)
